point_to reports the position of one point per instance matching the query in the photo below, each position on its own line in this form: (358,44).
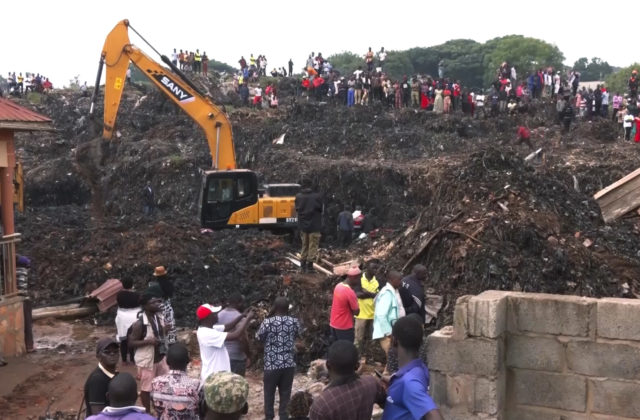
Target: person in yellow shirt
(366,292)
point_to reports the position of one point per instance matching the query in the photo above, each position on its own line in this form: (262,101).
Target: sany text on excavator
(230,197)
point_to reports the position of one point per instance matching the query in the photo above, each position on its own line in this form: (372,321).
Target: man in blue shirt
(407,397)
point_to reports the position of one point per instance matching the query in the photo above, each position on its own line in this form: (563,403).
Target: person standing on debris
(175,395)
(344,307)
(627,123)
(567,114)
(290,67)
(348,395)
(197,61)
(123,394)
(211,338)
(414,284)
(174,57)
(382,56)
(128,309)
(407,395)
(148,200)
(205,63)
(345,226)
(524,136)
(166,285)
(388,309)
(226,395)
(97,384)
(366,291)
(238,350)
(616,104)
(278,333)
(147,337)
(309,207)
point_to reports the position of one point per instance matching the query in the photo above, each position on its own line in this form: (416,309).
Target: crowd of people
(30,82)
(190,61)
(364,308)
(509,94)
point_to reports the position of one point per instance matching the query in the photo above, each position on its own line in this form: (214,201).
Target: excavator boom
(229,197)
(116,55)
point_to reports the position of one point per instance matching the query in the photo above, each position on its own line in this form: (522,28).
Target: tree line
(474,63)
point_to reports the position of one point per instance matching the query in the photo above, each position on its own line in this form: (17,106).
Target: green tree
(594,70)
(618,81)
(526,54)
(346,62)
(220,67)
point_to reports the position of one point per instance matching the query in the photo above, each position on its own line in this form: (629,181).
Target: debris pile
(450,192)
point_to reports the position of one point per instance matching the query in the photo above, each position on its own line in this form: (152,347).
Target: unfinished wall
(12,326)
(520,356)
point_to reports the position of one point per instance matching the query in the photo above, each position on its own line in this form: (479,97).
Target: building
(14,304)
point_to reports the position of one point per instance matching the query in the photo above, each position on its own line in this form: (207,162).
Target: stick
(464,234)
(428,241)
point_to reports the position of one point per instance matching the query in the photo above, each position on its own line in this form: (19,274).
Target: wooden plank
(66,311)
(615,185)
(624,189)
(621,207)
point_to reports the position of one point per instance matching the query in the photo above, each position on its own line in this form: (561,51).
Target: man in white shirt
(211,338)
(382,56)
(174,57)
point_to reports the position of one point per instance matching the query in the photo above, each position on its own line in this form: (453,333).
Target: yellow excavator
(230,197)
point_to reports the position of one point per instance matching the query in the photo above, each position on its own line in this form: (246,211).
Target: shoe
(303,266)
(310,267)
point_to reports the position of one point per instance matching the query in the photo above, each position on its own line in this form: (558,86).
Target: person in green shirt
(366,291)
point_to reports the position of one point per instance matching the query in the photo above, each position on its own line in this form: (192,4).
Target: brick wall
(521,356)
(12,326)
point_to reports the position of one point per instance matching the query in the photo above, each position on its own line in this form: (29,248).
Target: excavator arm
(116,55)
(229,197)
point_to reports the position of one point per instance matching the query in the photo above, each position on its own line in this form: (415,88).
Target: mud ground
(52,378)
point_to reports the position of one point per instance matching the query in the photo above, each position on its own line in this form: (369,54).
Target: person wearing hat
(211,338)
(97,384)
(147,337)
(226,396)
(344,307)
(123,393)
(388,309)
(164,281)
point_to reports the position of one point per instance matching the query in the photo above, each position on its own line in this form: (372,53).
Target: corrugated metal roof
(106,294)
(10,111)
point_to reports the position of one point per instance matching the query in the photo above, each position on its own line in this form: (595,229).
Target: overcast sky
(65,38)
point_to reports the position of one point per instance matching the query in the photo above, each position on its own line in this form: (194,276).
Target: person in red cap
(211,338)
(344,307)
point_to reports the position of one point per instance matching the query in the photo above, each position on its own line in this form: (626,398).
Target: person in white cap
(211,338)
(344,307)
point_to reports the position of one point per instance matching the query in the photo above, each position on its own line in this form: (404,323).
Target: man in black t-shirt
(95,389)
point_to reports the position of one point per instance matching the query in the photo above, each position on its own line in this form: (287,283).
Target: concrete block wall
(12,326)
(521,356)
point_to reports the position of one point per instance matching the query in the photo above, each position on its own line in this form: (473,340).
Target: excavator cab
(227,195)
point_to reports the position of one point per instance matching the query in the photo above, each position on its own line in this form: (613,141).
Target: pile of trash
(450,192)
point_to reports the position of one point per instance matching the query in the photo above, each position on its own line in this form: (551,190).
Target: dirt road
(55,373)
